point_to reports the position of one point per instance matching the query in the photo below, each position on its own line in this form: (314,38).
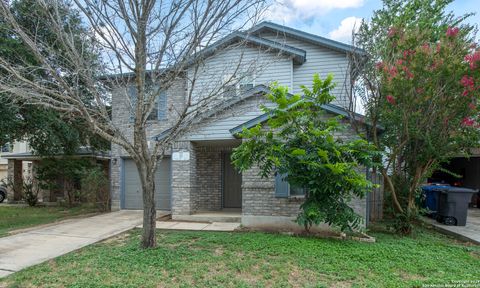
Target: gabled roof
(298,55)
(304,36)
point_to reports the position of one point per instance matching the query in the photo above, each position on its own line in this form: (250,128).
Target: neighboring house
(8,149)
(197,176)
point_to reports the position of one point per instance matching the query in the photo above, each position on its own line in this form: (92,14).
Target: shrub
(94,187)
(30,191)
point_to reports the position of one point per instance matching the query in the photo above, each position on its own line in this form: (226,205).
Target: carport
(468,168)
(15,174)
(469,171)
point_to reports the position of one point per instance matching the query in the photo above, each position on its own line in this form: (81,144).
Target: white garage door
(133,189)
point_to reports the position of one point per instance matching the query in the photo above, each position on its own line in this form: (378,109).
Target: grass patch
(12,218)
(253,259)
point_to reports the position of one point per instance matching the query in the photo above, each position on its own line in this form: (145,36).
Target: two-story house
(197,176)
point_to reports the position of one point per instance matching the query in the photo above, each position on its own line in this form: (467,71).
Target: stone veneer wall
(15,175)
(209,179)
(260,206)
(259,197)
(121,117)
(184,180)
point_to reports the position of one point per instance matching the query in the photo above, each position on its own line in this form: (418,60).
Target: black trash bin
(453,205)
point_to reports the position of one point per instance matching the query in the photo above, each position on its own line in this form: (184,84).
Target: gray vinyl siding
(319,60)
(266,66)
(218,127)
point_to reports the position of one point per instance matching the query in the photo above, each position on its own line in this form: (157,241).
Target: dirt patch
(475,254)
(118,240)
(322,234)
(219,251)
(411,277)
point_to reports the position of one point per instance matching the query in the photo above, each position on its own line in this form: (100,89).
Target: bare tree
(144,43)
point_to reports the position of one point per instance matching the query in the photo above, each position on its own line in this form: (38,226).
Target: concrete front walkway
(38,245)
(196,226)
(469,232)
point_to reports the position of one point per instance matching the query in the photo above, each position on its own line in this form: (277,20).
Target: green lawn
(12,218)
(247,259)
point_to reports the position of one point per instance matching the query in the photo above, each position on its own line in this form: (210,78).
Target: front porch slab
(221,226)
(211,216)
(196,226)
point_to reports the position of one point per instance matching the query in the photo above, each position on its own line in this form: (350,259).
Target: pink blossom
(468,82)
(391,99)
(465,92)
(393,71)
(467,121)
(379,65)
(472,59)
(407,72)
(452,31)
(407,53)
(426,48)
(399,62)
(472,106)
(436,64)
(391,32)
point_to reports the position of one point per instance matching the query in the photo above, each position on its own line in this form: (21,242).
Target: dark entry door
(232,184)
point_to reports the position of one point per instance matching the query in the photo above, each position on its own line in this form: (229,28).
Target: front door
(232,184)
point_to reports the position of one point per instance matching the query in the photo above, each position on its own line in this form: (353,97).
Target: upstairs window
(235,86)
(245,87)
(159,111)
(230,91)
(246,83)
(6,148)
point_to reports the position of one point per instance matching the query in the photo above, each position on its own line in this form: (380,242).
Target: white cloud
(344,31)
(288,10)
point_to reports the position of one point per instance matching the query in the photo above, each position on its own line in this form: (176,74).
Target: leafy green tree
(299,141)
(47,131)
(421,77)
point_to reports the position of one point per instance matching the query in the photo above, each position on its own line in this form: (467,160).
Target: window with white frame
(237,85)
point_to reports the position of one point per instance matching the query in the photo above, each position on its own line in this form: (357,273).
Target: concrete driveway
(38,245)
(469,232)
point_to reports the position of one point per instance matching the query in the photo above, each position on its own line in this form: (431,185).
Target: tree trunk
(396,204)
(147,177)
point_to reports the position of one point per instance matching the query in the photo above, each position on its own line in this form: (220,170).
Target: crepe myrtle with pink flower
(423,77)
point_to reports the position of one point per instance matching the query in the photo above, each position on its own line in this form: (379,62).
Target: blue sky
(335,18)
